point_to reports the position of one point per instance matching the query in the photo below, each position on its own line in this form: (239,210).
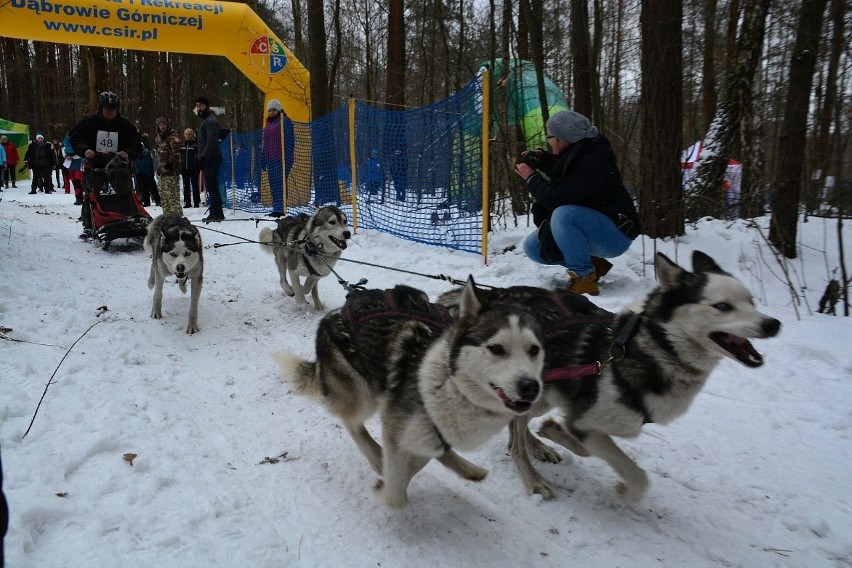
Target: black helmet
(109,99)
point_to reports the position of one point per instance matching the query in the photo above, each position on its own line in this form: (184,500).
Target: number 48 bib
(107,142)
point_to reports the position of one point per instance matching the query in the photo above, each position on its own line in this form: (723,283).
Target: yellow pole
(353,165)
(486,161)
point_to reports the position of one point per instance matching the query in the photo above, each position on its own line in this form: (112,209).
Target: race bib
(107,142)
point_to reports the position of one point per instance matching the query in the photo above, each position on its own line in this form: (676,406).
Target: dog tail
(299,373)
(265,238)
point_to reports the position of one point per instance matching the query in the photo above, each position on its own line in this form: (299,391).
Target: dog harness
(436,317)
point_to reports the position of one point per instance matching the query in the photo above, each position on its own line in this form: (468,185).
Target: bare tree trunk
(524,29)
(298,42)
(823,141)
(395,81)
(731,35)
(530,7)
(581,49)
(708,68)
(787,182)
(337,53)
(705,188)
(317,41)
(95,61)
(661,203)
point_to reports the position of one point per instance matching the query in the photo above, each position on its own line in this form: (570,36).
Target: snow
(233,469)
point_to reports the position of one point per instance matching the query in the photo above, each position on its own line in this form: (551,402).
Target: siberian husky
(662,353)
(306,246)
(175,247)
(438,383)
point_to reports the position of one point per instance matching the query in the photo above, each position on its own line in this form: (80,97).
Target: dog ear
(668,272)
(470,304)
(703,263)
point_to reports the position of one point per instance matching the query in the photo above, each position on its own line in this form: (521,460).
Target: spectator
(209,158)
(168,166)
(2,163)
(143,171)
(581,207)
(98,138)
(399,173)
(374,176)
(12,159)
(59,168)
(74,165)
(278,127)
(189,170)
(41,160)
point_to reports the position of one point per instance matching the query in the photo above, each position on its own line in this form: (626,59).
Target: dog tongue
(518,407)
(741,348)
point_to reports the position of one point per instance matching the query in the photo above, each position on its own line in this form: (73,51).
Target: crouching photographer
(583,212)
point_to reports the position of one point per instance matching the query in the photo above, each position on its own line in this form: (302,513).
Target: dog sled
(114,215)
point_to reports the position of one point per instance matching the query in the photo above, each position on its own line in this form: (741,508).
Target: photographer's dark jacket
(584,174)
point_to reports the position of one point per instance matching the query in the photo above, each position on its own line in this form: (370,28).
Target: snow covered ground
(232,469)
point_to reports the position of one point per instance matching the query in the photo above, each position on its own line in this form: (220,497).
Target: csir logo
(268,55)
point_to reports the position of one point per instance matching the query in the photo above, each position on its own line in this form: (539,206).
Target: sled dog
(439,384)
(662,353)
(175,247)
(306,246)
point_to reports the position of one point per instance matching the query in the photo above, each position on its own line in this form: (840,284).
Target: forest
(766,83)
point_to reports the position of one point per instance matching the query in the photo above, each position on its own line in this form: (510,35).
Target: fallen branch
(56,370)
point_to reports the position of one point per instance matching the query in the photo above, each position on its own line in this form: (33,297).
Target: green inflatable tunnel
(524,104)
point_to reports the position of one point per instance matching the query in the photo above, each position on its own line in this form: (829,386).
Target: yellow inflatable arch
(205,27)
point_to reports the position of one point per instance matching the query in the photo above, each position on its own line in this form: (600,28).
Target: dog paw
(544,488)
(633,493)
(394,503)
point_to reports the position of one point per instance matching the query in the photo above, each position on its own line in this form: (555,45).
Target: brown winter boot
(586,284)
(602,266)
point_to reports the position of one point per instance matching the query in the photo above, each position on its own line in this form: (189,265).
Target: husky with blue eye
(439,383)
(665,347)
(175,247)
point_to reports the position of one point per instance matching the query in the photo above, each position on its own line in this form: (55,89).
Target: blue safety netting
(418,172)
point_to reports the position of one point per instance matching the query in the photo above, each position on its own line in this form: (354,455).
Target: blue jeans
(579,233)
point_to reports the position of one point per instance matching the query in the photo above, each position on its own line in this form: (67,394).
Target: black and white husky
(439,383)
(651,361)
(306,246)
(175,247)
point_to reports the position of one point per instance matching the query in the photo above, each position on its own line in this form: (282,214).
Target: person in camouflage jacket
(168,166)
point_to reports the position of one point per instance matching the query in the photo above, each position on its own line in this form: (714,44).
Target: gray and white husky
(307,246)
(439,384)
(662,353)
(175,247)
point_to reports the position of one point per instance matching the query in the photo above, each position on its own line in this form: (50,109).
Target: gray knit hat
(571,126)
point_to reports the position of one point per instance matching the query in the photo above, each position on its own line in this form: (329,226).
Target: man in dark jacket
(583,212)
(209,158)
(99,138)
(41,160)
(189,170)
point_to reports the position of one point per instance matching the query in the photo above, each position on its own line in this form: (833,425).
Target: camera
(534,159)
